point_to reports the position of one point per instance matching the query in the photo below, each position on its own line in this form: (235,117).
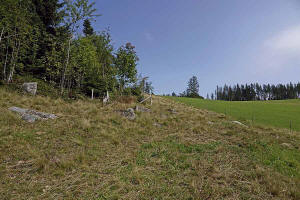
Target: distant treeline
(250,92)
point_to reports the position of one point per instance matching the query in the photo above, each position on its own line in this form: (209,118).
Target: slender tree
(193,87)
(76,11)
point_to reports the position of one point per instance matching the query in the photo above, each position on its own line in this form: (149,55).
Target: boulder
(32,115)
(30,87)
(129,114)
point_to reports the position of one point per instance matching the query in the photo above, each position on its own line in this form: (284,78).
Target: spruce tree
(87,28)
(193,87)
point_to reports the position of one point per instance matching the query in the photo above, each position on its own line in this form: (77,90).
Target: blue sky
(219,41)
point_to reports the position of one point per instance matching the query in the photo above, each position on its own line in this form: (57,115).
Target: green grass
(286,161)
(271,113)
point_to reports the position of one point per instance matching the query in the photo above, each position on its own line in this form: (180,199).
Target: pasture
(281,114)
(172,152)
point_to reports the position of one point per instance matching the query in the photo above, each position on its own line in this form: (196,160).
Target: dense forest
(54,41)
(251,92)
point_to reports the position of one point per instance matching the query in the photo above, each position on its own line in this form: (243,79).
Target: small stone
(30,87)
(157,125)
(239,123)
(286,145)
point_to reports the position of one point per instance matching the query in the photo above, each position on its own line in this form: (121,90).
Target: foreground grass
(91,152)
(273,113)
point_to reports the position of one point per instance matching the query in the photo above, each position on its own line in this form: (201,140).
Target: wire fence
(258,119)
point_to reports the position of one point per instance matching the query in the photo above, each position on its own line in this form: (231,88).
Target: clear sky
(219,41)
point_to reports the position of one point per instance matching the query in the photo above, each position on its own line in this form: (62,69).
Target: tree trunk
(1,34)
(63,77)
(11,59)
(5,64)
(11,74)
(69,84)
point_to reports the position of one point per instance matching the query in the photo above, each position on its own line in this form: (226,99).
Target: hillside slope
(173,152)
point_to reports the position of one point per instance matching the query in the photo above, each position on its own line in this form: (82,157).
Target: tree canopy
(54,41)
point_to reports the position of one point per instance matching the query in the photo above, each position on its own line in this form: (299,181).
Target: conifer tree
(87,28)
(193,87)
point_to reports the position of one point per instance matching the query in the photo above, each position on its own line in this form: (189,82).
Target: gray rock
(42,114)
(141,109)
(30,118)
(18,110)
(30,87)
(32,115)
(129,114)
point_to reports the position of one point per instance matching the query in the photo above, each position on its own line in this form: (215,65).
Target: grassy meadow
(271,113)
(173,152)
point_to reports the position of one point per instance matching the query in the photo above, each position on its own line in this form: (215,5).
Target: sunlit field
(281,114)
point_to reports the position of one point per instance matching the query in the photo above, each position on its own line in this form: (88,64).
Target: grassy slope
(272,113)
(91,152)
